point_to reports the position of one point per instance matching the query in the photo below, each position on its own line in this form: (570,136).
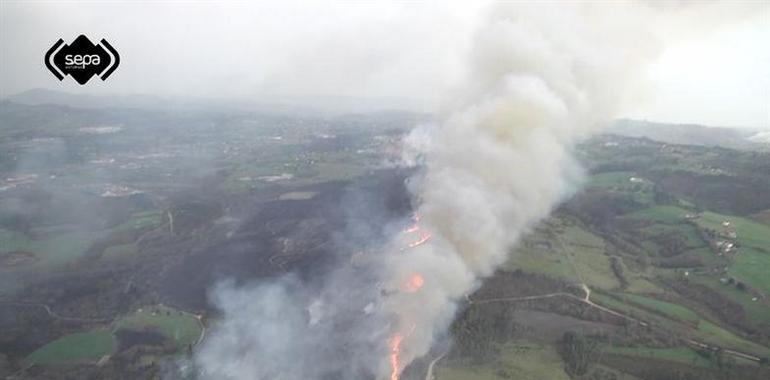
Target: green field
(625,307)
(654,243)
(520,360)
(753,258)
(709,258)
(50,250)
(750,233)
(144,219)
(667,308)
(620,182)
(181,327)
(313,167)
(682,355)
(687,231)
(705,331)
(568,251)
(751,266)
(120,251)
(576,255)
(662,214)
(56,246)
(757,312)
(714,334)
(86,346)
(611,179)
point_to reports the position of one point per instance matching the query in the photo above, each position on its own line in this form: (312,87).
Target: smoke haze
(511,88)
(538,80)
(411,53)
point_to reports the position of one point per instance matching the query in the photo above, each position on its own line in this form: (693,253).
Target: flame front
(411,229)
(414,283)
(424,236)
(395,352)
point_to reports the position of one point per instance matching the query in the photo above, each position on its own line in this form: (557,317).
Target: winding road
(585,300)
(55,315)
(429,374)
(588,301)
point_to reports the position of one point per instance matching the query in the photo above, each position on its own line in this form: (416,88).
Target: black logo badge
(82,59)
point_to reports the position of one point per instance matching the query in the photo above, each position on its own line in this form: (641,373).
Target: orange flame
(411,229)
(395,351)
(414,283)
(423,238)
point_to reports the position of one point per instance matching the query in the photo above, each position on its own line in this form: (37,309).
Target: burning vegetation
(413,284)
(495,164)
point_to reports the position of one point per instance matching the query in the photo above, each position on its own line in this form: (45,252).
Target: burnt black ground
(306,237)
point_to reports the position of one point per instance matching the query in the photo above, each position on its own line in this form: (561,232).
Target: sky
(713,65)
(721,76)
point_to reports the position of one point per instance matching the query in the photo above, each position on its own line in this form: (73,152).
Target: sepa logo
(82,59)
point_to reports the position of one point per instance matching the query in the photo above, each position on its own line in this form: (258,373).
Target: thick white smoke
(539,79)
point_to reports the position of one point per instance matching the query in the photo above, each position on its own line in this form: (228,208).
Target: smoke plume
(539,79)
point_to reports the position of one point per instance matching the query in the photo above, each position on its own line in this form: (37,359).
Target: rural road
(585,300)
(55,315)
(429,374)
(203,329)
(588,301)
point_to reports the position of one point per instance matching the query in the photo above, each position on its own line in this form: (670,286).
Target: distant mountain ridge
(310,105)
(41,96)
(684,134)
(692,134)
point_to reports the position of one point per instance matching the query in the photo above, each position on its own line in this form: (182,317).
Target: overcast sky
(713,67)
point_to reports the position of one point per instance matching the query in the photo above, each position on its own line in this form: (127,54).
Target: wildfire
(424,236)
(414,283)
(395,352)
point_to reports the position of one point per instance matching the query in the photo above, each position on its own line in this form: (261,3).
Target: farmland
(677,267)
(112,242)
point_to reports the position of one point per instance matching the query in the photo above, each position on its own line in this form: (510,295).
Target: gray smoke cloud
(538,80)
